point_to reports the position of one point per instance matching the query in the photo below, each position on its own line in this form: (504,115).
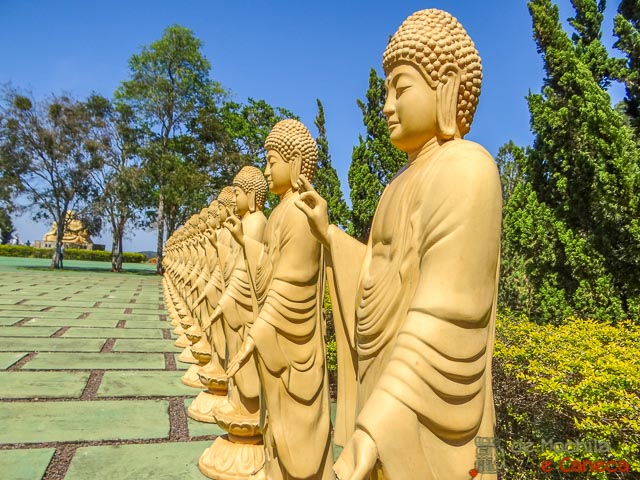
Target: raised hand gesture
(234,225)
(315,208)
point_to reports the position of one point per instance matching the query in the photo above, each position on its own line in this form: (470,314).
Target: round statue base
(187,356)
(182,342)
(191,378)
(202,408)
(237,422)
(232,458)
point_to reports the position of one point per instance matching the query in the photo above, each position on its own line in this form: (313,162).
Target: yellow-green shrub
(576,381)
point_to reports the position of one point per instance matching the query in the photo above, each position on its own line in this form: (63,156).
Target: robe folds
(422,314)
(239,307)
(289,343)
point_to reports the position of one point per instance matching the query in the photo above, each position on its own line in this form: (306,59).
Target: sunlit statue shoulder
(287,335)
(417,303)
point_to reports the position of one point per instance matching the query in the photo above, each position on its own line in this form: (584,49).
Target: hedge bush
(576,381)
(69,254)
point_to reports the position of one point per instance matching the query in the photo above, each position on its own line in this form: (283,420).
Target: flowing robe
(239,306)
(290,347)
(422,314)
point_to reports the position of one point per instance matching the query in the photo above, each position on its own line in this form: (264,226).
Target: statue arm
(444,344)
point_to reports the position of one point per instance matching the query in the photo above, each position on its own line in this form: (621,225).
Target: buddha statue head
(433,82)
(250,188)
(213,214)
(291,151)
(226,203)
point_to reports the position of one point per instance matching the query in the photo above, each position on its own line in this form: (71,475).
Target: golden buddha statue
(212,375)
(287,335)
(74,231)
(418,301)
(241,453)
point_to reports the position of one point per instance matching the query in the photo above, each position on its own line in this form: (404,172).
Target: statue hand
(234,225)
(209,321)
(241,357)
(315,208)
(358,457)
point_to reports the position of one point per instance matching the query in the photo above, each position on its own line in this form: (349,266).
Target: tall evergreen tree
(575,219)
(374,161)
(326,181)
(627,29)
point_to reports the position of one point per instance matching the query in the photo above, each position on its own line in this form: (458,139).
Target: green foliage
(169,83)
(375,161)
(326,181)
(69,254)
(574,381)
(627,29)
(571,241)
(47,153)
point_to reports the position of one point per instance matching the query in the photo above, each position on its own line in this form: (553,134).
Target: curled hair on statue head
(435,43)
(251,180)
(290,138)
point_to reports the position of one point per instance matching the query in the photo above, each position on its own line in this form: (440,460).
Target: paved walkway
(89,379)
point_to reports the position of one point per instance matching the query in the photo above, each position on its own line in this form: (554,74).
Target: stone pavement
(89,382)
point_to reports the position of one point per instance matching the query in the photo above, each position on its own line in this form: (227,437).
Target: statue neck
(426,150)
(289,193)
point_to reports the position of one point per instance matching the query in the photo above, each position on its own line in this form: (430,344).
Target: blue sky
(287,53)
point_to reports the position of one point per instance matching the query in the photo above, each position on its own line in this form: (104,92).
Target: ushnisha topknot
(227,197)
(288,135)
(432,40)
(251,179)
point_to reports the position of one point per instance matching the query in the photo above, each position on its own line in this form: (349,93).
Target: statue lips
(473,472)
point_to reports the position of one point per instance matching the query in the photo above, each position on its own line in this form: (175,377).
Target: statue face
(277,173)
(223,214)
(410,108)
(242,201)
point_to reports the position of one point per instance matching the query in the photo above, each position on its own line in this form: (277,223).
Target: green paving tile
(179,364)
(140,311)
(143,384)
(200,429)
(28,464)
(67,303)
(42,384)
(108,305)
(164,461)
(89,361)
(79,332)
(9,321)
(78,322)
(51,344)
(83,421)
(135,345)
(28,331)
(8,359)
(145,324)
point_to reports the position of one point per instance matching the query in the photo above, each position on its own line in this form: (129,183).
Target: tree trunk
(159,269)
(116,249)
(55,259)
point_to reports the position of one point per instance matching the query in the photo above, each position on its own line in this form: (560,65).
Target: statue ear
(295,164)
(447,101)
(251,197)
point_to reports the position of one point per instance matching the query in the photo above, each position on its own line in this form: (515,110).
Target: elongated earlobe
(447,101)
(251,197)
(294,168)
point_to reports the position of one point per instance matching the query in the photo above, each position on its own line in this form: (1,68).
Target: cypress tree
(575,218)
(326,181)
(374,161)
